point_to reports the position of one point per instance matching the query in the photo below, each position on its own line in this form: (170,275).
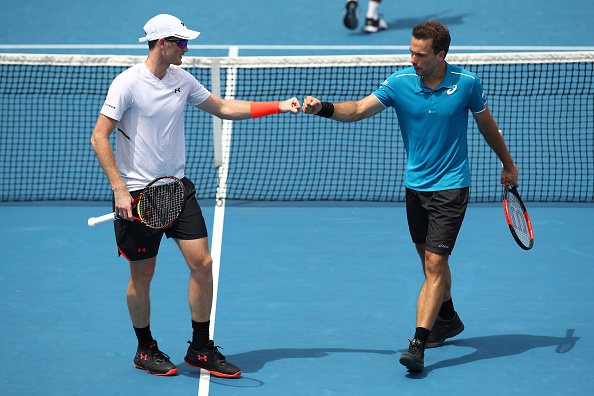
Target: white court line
(219,216)
(302,47)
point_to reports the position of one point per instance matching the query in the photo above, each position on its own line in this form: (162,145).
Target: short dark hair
(152,44)
(436,32)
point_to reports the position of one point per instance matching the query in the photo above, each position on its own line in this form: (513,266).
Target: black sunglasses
(180,43)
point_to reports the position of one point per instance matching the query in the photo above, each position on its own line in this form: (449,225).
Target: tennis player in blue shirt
(432,99)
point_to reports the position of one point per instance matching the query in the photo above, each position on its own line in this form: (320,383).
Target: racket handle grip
(93,221)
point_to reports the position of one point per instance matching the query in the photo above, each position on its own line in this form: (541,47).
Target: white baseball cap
(165,25)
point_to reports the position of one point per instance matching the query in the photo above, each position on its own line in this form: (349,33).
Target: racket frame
(94,221)
(138,201)
(510,189)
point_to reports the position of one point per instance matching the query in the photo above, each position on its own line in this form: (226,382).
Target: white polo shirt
(150,139)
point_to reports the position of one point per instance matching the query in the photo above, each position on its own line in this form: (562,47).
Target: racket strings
(161,204)
(518,219)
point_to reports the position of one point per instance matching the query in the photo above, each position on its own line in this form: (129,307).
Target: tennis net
(543,103)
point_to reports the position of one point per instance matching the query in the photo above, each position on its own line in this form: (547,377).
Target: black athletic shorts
(137,242)
(435,217)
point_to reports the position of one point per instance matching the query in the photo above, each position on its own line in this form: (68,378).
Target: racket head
(160,202)
(517,217)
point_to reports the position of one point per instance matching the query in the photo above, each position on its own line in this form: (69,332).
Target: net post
(215,77)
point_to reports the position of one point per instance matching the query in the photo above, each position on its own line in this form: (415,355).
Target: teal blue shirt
(434,125)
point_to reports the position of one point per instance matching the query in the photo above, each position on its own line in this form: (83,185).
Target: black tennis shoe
(444,329)
(351,14)
(211,360)
(150,358)
(413,359)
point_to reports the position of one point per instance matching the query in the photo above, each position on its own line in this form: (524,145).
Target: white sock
(373,10)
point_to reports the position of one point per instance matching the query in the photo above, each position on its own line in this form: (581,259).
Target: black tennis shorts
(435,217)
(137,242)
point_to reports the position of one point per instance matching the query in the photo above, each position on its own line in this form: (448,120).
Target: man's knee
(435,264)
(201,265)
(142,271)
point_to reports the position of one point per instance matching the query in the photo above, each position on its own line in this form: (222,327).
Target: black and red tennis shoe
(150,358)
(210,359)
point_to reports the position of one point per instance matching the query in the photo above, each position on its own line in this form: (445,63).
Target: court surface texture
(313,298)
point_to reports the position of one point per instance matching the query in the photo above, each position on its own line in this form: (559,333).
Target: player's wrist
(262,109)
(327,110)
(119,189)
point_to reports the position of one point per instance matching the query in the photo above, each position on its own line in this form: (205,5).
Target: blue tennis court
(113,26)
(314,298)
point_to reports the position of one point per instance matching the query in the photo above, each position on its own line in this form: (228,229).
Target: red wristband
(261,109)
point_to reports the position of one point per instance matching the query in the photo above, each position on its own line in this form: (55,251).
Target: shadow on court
(254,361)
(492,347)
(409,23)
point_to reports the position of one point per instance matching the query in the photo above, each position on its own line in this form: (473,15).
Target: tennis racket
(157,206)
(517,217)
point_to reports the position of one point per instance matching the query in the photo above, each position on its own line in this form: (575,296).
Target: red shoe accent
(170,372)
(217,374)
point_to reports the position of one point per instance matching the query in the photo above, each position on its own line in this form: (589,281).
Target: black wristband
(327,110)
